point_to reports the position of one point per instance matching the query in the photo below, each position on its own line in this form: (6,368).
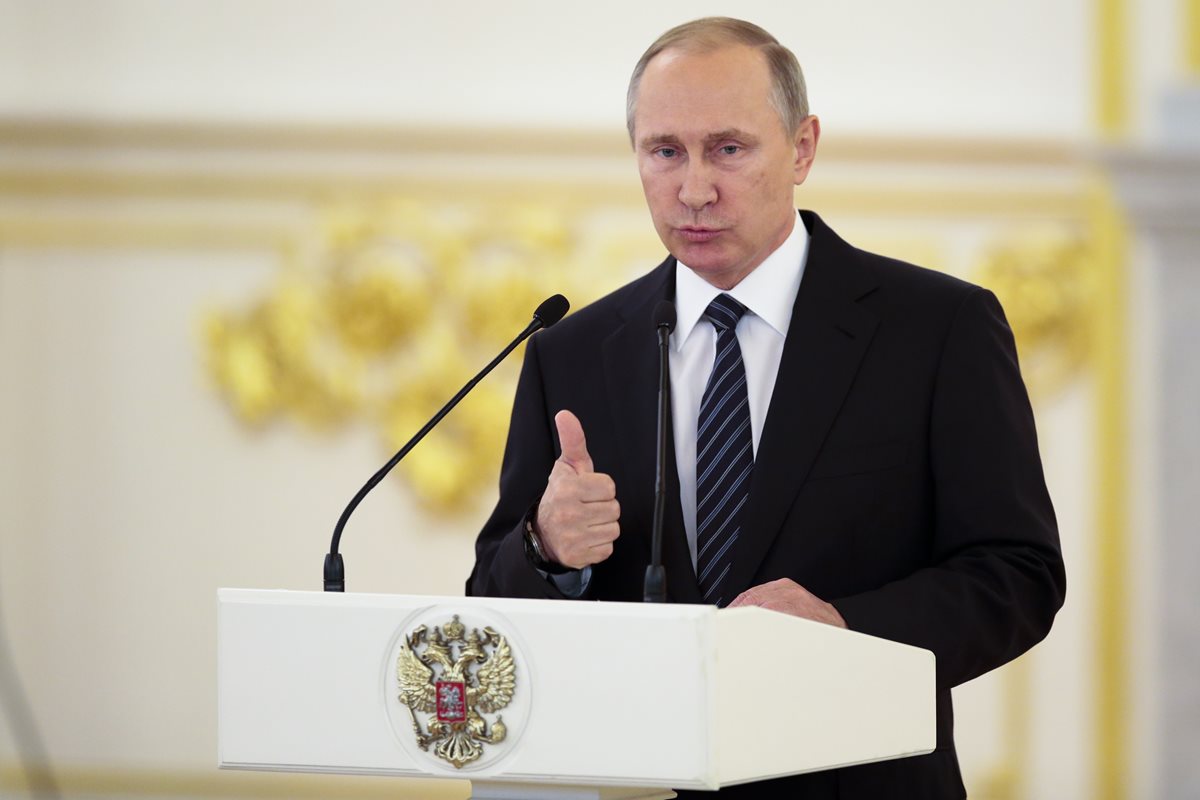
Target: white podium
(556,699)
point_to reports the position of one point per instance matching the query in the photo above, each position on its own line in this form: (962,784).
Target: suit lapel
(631,378)
(827,338)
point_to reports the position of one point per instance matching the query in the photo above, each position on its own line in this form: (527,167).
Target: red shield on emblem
(451,701)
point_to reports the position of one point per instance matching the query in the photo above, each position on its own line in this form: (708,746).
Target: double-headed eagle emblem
(450,674)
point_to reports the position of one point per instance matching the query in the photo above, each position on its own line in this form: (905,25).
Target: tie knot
(724,312)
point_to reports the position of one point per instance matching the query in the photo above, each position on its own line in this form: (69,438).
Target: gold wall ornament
(449,679)
(389,308)
(263,360)
(1044,283)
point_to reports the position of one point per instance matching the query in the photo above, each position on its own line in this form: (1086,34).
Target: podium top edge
(236,596)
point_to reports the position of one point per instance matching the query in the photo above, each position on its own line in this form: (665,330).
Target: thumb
(574,445)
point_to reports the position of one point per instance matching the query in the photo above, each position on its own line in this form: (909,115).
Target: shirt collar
(768,292)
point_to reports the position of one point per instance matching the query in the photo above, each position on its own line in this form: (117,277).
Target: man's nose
(698,188)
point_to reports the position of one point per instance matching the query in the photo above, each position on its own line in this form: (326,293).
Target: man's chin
(701,257)
(717,271)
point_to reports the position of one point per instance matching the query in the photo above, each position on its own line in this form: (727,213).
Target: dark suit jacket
(897,475)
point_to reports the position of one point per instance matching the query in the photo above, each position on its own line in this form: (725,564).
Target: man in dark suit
(874,465)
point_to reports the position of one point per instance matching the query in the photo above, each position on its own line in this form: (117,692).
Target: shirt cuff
(573,584)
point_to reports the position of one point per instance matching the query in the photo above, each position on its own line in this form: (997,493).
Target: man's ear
(807,136)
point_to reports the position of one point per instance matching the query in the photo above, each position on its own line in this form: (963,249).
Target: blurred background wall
(247,247)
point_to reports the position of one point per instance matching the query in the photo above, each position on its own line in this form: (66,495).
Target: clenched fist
(577,517)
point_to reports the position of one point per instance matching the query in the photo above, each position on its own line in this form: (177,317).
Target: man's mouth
(694,233)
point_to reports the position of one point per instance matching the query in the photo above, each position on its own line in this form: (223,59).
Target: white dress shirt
(768,293)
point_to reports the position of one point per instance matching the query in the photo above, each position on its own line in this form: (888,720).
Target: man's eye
(731,149)
(667,152)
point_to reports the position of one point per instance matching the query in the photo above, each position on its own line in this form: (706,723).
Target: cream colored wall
(1018,67)
(129,492)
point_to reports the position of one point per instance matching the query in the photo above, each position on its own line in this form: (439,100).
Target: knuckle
(602,514)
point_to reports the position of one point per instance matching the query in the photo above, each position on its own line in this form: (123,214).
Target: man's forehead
(677,73)
(704,48)
(703,95)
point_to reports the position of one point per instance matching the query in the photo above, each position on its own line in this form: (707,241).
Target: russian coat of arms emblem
(450,679)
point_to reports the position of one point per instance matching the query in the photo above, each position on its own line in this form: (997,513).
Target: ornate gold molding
(75,781)
(392,308)
(1044,279)
(1111,71)
(76,231)
(492,141)
(1191,34)
(1110,333)
(952,200)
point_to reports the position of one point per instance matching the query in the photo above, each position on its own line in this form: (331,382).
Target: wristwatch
(533,547)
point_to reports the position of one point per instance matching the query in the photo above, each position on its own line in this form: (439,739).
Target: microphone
(654,588)
(549,312)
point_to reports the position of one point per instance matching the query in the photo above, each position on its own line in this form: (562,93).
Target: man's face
(717,166)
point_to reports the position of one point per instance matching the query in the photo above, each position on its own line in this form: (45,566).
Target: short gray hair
(789,97)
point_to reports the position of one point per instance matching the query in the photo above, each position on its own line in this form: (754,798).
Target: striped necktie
(724,454)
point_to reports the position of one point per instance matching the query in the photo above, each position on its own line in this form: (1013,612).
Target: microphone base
(335,573)
(655,586)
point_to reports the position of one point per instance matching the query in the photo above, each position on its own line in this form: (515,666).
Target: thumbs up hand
(577,517)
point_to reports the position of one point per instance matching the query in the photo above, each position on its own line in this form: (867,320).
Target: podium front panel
(606,693)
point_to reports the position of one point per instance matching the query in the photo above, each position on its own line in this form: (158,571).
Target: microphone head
(551,310)
(664,315)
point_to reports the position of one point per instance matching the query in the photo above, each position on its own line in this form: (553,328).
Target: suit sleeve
(996,576)
(501,567)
